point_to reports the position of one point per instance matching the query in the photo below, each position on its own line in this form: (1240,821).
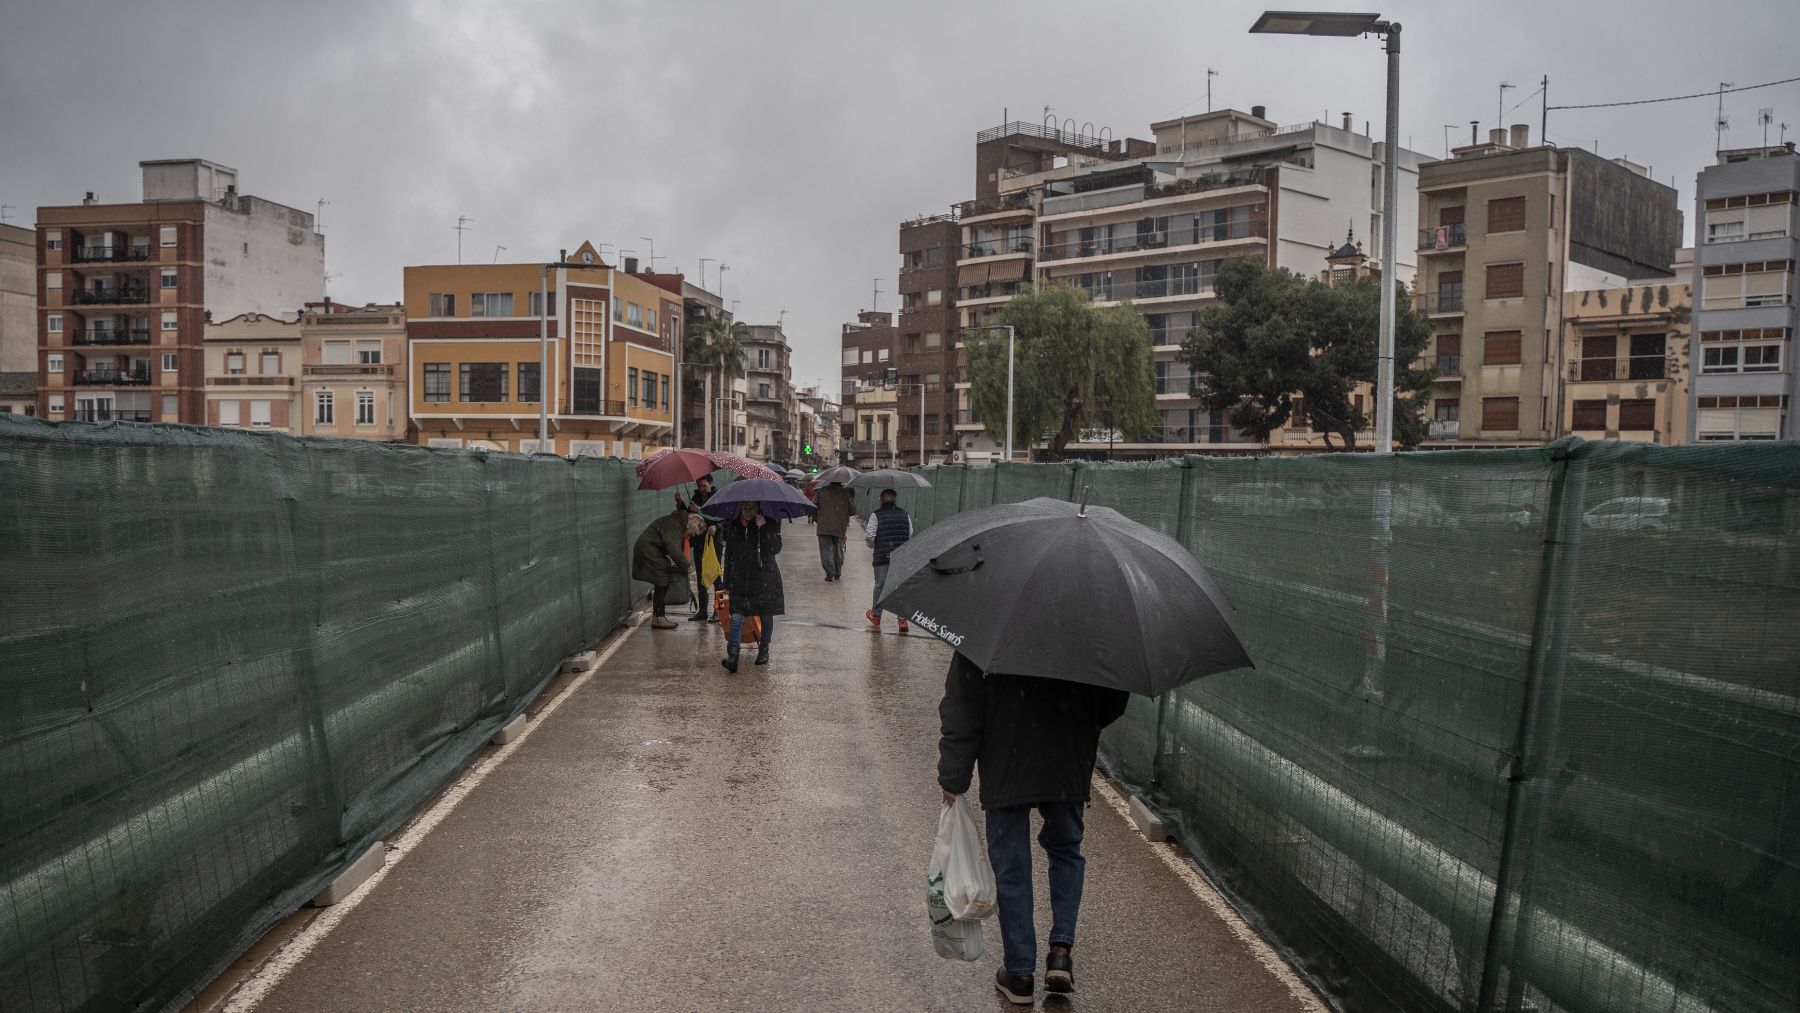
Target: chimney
(1521,135)
(631,265)
(1474,131)
(1346,123)
(89,199)
(1497,137)
(562,256)
(1259,112)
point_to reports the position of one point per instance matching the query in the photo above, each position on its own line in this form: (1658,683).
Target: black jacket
(751,573)
(1033,738)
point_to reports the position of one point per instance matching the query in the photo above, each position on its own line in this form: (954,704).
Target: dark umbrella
(889,478)
(669,468)
(1047,588)
(778,500)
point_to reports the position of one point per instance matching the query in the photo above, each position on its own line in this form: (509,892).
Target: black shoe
(700,618)
(730,663)
(762,657)
(1015,987)
(1059,971)
(828,578)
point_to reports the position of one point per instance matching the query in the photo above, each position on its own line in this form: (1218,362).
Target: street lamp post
(1350,26)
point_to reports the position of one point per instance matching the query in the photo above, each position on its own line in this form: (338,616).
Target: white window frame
(365,407)
(263,365)
(235,364)
(171,407)
(324,408)
(338,353)
(850,356)
(171,362)
(165,237)
(53,239)
(261,407)
(56,404)
(53,323)
(169,279)
(170,320)
(236,412)
(368,356)
(53,281)
(53,363)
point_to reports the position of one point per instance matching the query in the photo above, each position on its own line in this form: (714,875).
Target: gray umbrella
(889,478)
(837,474)
(1047,588)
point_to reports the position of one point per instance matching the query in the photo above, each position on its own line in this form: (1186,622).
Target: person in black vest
(753,578)
(889,528)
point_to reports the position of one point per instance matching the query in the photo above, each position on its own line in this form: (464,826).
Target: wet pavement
(673,837)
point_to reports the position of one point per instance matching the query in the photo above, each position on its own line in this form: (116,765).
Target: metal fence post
(1538,731)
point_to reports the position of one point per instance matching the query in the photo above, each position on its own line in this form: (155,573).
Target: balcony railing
(1444,237)
(111,415)
(347,370)
(1449,366)
(585,407)
(109,254)
(1005,290)
(1649,367)
(1599,369)
(1180,383)
(969,417)
(1443,301)
(1443,429)
(111,377)
(996,247)
(1187,236)
(1120,290)
(111,336)
(992,205)
(110,296)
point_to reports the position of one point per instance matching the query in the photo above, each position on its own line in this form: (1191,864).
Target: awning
(972,274)
(1009,270)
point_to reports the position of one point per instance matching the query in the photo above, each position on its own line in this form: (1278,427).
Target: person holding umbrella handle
(752,577)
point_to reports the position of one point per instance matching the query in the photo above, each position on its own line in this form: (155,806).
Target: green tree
(1273,337)
(1076,367)
(717,347)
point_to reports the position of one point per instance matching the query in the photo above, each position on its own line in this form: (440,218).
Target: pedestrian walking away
(658,558)
(836,504)
(753,579)
(1034,740)
(889,528)
(703,491)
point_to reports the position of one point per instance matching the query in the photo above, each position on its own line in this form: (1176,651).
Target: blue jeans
(1009,849)
(880,582)
(736,635)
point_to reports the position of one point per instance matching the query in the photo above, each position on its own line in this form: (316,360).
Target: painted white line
(1217,904)
(257,985)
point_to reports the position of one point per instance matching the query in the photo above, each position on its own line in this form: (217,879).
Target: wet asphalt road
(677,838)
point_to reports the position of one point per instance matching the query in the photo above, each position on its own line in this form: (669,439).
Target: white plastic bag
(959,885)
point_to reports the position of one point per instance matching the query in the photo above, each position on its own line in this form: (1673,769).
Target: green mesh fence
(231,661)
(1567,677)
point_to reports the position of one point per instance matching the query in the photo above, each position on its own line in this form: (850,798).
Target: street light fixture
(1341,25)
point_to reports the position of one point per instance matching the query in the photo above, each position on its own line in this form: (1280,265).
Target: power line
(1679,98)
(1522,101)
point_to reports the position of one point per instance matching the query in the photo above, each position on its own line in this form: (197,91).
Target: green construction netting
(232,660)
(1569,677)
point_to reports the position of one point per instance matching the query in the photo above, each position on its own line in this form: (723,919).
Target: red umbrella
(668,468)
(742,467)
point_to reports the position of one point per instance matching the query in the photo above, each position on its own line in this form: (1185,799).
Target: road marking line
(258,983)
(1216,902)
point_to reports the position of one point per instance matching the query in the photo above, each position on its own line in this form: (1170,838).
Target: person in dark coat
(889,528)
(753,579)
(836,504)
(703,491)
(658,556)
(1034,740)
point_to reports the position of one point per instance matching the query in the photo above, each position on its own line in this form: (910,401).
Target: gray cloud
(787,139)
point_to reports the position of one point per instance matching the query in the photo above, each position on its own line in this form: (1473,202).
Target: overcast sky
(786,139)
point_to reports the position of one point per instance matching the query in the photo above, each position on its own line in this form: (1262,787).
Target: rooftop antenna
(7,207)
(703,262)
(780,319)
(875,298)
(652,243)
(319,215)
(328,277)
(1783,139)
(1765,117)
(723,267)
(461,227)
(497,249)
(1210,74)
(1721,122)
(1500,107)
(1447,127)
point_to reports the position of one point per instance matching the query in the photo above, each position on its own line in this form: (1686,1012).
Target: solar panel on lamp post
(1344,25)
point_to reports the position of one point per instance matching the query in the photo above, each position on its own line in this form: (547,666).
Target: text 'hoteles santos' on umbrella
(1052,589)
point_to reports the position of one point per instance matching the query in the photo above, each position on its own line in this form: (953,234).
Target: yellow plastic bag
(709,564)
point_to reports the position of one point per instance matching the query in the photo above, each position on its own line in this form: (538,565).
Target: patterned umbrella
(742,467)
(668,468)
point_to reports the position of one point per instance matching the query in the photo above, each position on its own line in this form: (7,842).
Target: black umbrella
(1047,588)
(889,478)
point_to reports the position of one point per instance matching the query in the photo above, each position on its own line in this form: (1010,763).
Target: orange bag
(722,609)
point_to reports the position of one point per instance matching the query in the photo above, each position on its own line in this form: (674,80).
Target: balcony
(1444,237)
(1449,367)
(615,409)
(111,336)
(1005,290)
(111,415)
(1147,241)
(1441,301)
(1178,385)
(969,417)
(112,377)
(121,296)
(1156,289)
(109,254)
(347,370)
(1598,369)
(241,380)
(994,205)
(998,247)
(1443,429)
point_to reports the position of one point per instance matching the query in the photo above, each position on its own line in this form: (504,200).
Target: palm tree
(718,347)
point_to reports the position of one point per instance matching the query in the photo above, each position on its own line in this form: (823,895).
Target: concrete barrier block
(366,865)
(1151,824)
(581,662)
(510,731)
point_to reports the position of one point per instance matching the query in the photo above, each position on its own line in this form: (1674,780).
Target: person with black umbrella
(752,577)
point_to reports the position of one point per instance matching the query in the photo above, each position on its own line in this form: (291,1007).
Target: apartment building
(18,320)
(1628,375)
(768,402)
(252,364)
(870,348)
(711,405)
(125,290)
(353,372)
(1747,242)
(1504,227)
(475,374)
(927,361)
